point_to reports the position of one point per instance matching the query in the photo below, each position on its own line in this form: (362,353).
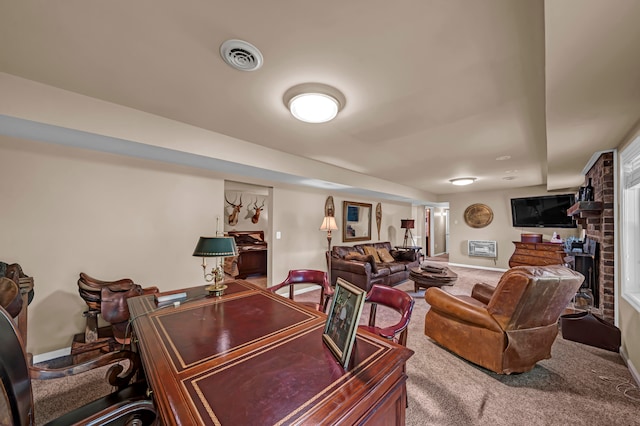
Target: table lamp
(407,225)
(218,247)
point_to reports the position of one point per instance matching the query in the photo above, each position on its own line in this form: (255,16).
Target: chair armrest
(452,307)
(113,376)
(483,292)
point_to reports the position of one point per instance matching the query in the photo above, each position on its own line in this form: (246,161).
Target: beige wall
(68,210)
(499,230)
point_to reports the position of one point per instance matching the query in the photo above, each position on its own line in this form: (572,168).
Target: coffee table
(426,279)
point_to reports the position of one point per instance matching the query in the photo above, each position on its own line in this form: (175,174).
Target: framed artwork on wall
(356,221)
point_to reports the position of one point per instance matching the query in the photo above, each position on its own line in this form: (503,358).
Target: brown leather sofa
(353,264)
(506,329)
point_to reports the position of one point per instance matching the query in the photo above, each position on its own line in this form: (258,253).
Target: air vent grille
(241,55)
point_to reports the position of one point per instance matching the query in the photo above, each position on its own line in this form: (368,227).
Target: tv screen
(542,212)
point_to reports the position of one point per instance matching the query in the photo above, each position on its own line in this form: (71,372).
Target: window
(630,235)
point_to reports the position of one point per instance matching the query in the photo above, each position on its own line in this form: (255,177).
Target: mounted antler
(256,216)
(233,217)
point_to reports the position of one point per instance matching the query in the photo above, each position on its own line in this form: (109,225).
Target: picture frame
(342,322)
(356,221)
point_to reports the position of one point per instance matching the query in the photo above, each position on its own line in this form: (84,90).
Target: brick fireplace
(601,229)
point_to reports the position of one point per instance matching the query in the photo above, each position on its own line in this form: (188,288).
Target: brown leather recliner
(506,329)
(109,298)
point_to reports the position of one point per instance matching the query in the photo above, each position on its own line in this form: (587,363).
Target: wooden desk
(252,357)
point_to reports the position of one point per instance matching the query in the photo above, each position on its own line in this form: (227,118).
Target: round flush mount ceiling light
(241,55)
(314,102)
(463,181)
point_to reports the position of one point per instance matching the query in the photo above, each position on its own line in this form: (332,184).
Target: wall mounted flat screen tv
(549,211)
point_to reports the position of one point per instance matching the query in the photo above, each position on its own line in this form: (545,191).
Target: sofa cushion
(363,258)
(373,252)
(385,256)
(394,267)
(354,255)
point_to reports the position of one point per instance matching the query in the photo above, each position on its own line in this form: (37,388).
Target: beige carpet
(578,385)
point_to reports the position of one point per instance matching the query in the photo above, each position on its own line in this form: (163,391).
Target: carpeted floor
(578,385)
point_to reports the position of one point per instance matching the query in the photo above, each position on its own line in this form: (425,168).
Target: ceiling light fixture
(314,102)
(463,181)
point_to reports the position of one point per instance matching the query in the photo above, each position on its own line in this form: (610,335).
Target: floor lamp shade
(329,224)
(407,223)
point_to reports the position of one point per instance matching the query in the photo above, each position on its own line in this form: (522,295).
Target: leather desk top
(252,357)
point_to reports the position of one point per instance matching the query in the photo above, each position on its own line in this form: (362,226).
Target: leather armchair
(506,329)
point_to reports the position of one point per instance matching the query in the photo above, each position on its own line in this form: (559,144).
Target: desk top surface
(251,357)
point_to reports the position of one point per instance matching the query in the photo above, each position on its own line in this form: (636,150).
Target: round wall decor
(478,215)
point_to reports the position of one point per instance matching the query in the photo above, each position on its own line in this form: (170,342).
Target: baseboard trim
(487,268)
(48,356)
(630,366)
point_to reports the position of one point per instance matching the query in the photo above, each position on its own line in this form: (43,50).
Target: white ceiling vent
(241,55)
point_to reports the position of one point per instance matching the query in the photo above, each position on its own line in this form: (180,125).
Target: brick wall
(601,229)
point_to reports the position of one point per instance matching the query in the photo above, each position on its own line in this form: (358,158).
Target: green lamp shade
(216,247)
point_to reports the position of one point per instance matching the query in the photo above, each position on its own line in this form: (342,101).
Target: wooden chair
(307,276)
(395,299)
(129,402)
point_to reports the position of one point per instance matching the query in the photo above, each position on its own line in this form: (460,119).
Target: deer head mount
(256,216)
(233,217)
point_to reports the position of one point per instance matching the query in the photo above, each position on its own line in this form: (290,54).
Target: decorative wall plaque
(329,209)
(478,215)
(378,217)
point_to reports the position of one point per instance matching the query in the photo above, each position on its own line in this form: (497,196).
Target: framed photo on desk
(342,323)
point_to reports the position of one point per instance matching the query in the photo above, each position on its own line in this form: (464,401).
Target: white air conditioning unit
(482,248)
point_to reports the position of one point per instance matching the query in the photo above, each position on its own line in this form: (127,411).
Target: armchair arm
(482,292)
(113,376)
(459,309)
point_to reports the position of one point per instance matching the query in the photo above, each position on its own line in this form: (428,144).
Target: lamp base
(216,289)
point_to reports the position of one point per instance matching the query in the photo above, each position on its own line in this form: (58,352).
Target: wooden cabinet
(537,254)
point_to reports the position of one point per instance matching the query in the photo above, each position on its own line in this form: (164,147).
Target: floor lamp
(329,224)
(407,225)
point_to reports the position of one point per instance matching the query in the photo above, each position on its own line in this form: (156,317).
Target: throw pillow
(363,258)
(385,256)
(373,252)
(356,256)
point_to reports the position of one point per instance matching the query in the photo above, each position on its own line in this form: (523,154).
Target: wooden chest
(537,254)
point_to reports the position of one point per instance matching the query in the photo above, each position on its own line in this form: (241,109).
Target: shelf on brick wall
(585,209)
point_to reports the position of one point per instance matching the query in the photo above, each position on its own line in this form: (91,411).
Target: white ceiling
(435,89)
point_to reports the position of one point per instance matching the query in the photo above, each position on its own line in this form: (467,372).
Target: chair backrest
(15,386)
(533,296)
(395,299)
(306,276)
